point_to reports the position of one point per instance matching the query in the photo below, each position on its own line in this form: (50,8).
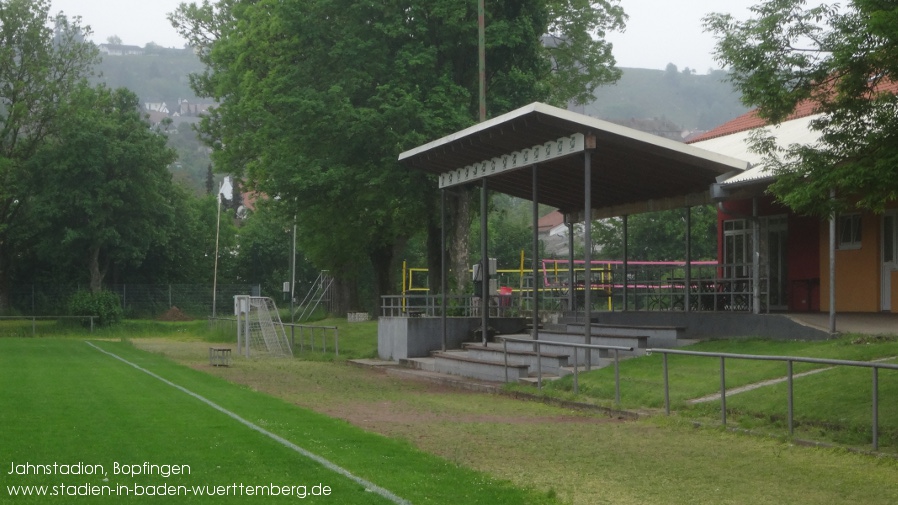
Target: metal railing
(789,379)
(539,343)
(307,333)
(311,331)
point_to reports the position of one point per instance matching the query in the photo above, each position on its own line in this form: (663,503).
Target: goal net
(260,331)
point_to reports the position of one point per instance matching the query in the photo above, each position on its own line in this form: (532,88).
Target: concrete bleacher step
(546,362)
(658,336)
(460,363)
(426,364)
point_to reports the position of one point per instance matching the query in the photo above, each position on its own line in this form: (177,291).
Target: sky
(658,31)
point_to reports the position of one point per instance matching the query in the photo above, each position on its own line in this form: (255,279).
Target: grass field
(67,403)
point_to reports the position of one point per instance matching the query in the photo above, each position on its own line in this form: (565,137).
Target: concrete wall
(415,337)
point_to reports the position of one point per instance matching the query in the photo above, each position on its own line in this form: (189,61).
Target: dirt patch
(174,314)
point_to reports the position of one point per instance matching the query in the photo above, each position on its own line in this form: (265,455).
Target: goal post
(260,331)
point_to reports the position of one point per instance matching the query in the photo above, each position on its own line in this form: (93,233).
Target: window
(849,231)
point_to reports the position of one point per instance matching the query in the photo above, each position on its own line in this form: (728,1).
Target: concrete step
(658,336)
(546,362)
(460,363)
(426,364)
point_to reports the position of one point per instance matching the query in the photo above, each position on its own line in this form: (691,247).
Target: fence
(138,300)
(643,285)
(789,379)
(14,329)
(314,333)
(309,335)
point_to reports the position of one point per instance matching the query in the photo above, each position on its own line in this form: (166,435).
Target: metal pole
(688,272)
(576,366)
(617,377)
(571,298)
(215,269)
(485,265)
(293,271)
(443,283)
(505,357)
(832,269)
(481,56)
(875,408)
(535,252)
(587,253)
(626,266)
(666,385)
(756,258)
(791,397)
(539,368)
(723,391)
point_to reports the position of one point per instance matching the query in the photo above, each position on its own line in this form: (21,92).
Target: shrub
(105,305)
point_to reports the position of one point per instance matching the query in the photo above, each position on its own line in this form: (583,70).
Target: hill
(658,101)
(667,102)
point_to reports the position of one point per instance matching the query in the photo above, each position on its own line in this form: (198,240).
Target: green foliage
(104,304)
(101,186)
(659,236)
(317,99)
(843,59)
(39,68)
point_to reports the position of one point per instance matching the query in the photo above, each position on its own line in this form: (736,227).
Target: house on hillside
(795,249)
(120,50)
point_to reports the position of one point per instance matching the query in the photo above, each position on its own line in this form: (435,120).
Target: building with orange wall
(795,250)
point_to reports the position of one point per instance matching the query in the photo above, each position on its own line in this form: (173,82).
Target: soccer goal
(260,331)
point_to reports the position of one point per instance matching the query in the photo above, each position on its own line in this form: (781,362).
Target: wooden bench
(220,356)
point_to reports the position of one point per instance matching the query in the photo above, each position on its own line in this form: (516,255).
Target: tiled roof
(750,120)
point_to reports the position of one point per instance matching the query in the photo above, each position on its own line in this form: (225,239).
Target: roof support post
(832,268)
(484,265)
(535,252)
(688,270)
(755,257)
(571,299)
(587,254)
(626,265)
(443,269)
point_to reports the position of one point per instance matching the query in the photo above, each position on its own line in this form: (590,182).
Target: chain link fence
(147,301)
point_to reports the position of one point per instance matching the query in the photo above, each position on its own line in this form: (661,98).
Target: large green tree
(42,59)
(317,99)
(100,186)
(844,58)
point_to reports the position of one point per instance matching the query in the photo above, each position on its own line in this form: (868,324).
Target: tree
(845,61)
(317,99)
(114,40)
(101,184)
(658,236)
(39,67)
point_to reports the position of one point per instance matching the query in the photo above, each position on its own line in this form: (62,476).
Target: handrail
(539,375)
(789,379)
(312,327)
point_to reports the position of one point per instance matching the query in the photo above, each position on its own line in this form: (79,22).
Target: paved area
(867,323)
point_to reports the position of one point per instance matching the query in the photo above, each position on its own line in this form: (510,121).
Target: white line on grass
(286,443)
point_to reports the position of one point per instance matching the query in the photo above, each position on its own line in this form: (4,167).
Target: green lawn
(831,406)
(65,402)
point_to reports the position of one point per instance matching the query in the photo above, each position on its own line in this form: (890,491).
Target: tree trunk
(5,287)
(382,262)
(96,272)
(345,295)
(459,228)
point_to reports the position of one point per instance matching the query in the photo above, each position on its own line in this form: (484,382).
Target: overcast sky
(658,31)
